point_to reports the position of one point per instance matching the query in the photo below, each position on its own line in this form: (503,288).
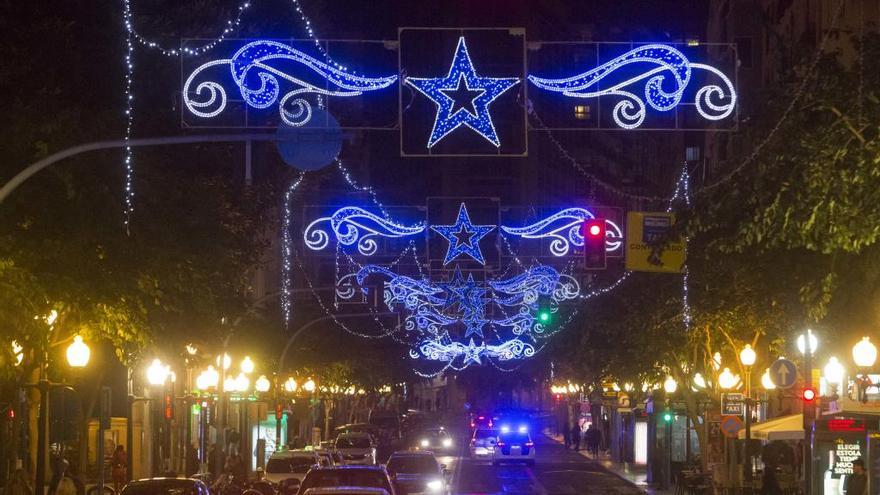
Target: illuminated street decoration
(448,321)
(256,69)
(666,83)
(564,228)
(353,225)
(462,97)
(463,236)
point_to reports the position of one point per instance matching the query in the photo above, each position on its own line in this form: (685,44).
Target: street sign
(647,247)
(104,408)
(730,425)
(732,404)
(783,373)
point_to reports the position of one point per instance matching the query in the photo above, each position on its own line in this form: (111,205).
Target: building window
(692,153)
(582,112)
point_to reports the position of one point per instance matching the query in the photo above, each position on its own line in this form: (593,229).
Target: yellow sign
(647,247)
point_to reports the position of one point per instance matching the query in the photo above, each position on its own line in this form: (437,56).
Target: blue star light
(472,353)
(462,97)
(463,236)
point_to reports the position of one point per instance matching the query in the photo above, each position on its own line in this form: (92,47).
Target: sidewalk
(636,475)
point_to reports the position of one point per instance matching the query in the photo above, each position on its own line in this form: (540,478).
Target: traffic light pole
(809,415)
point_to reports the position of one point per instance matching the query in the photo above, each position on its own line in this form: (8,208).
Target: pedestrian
(576,437)
(593,439)
(119,468)
(769,481)
(857,482)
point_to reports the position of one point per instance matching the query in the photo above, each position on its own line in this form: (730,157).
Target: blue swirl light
(668,63)
(564,228)
(254,72)
(351,225)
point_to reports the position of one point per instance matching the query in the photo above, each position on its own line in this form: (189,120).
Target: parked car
(289,464)
(166,486)
(483,443)
(434,439)
(514,446)
(327,458)
(418,473)
(373,430)
(345,478)
(356,448)
(388,423)
(346,490)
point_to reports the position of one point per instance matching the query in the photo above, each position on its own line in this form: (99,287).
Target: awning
(782,428)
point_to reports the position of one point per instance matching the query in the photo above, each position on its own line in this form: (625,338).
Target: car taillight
(499,444)
(530,444)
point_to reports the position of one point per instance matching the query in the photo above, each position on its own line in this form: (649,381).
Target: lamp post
(864,355)
(78,354)
(669,386)
(747,357)
(207,380)
(834,373)
(158,375)
(807,343)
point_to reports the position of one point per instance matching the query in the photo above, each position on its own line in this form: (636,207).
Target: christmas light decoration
(463,236)
(286,251)
(712,102)
(564,228)
(256,69)
(472,110)
(682,191)
(353,225)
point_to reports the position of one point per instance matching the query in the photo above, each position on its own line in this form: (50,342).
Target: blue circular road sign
(783,373)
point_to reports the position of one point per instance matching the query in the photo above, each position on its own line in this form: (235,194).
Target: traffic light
(544,316)
(808,394)
(279,412)
(169,406)
(668,416)
(594,244)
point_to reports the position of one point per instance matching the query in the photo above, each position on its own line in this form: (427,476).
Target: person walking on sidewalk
(593,438)
(576,436)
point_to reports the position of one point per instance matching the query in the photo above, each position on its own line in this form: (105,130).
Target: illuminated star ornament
(463,236)
(462,97)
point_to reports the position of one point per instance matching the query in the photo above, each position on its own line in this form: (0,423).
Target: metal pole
(277,419)
(747,460)
(129,428)
(42,435)
(809,414)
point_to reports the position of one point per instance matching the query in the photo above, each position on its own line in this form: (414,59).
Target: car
(388,423)
(434,439)
(356,448)
(418,473)
(480,420)
(344,478)
(327,458)
(483,442)
(166,486)
(373,430)
(346,490)
(290,464)
(514,446)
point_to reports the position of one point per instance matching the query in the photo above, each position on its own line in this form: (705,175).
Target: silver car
(356,449)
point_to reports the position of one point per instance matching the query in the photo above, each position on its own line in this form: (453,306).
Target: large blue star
(463,236)
(461,91)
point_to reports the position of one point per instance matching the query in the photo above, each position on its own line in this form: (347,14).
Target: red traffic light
(169,406)
(10,414)
(808,394)
(595,230)
(594,243)
(279,412)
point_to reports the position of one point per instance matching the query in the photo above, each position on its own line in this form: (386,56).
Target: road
(557,471)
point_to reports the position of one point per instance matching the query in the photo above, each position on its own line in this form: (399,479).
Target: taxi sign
(730,426)
(783,373)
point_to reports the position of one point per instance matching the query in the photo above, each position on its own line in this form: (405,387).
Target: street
(557,471)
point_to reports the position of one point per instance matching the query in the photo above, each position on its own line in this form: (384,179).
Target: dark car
(165,486)
(348,476)
(418,473)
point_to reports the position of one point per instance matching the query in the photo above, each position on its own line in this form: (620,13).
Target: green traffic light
(544,316)
(667,416)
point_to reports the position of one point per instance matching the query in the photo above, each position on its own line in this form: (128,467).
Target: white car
(514,446)
(483,443)
(356,449)
(290,464)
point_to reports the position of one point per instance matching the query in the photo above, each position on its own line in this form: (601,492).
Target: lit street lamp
(78,353)
(727,380)
(262,384)
(670,385)
(834,374)
(747,357)
(864,355)
(766,381)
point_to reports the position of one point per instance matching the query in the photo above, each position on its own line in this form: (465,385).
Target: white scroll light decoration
(713,102)
(564,228)
(256,69)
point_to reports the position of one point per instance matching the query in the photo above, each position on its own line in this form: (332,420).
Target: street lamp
(262,384)
(309,386)
(290,385)
(78,353)
(727,380)
(834,373)
(801,341)
(157,373)
(747,357)
(247,366)
(865,355)
(242,383)
(670,385)
(18,352)
(766,381)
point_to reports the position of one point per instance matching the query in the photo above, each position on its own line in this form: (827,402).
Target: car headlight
(435,485)
(425,443)
(447,442)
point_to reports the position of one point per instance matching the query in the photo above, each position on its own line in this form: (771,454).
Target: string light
(286,249)
(462,78)
(353,225)
(463,236)
(682,192)
(569,233)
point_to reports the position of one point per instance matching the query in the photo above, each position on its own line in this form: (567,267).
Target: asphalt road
(557,471)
